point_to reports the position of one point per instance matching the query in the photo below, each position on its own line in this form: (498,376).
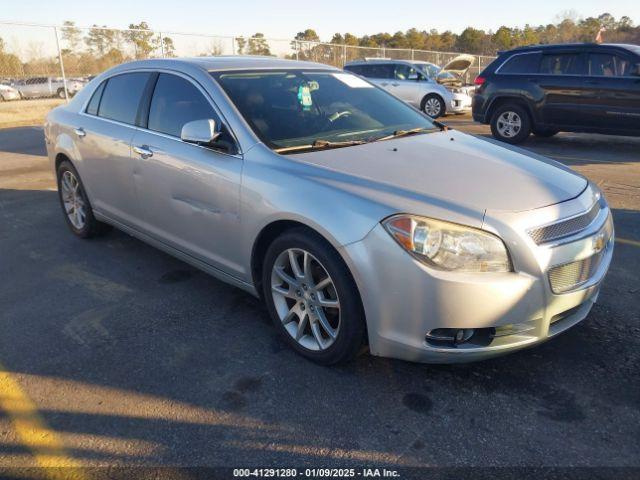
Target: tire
(83,225)
(301,302)
(61,93)
(510,123)
(544,132)
(433,105)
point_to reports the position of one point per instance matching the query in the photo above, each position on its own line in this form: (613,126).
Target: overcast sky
(284,18)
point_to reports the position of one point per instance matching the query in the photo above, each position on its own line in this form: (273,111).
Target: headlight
(448,246)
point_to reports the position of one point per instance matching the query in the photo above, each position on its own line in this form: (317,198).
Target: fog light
(449,336)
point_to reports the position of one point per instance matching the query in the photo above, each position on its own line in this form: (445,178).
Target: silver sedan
(355,217)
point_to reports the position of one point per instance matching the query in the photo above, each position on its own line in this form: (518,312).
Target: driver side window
(405,72)
(176,102)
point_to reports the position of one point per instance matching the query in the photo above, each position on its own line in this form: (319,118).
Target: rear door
(103,137)
(616,78)
(190,194)
(568,94)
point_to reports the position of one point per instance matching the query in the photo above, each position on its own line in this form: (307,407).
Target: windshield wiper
(405,133)
(320,144)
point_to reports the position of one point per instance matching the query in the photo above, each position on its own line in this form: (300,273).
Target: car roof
(385,61)
(230,62)
(568,46)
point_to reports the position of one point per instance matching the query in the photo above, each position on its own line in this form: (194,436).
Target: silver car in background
(43,87)
(356,218)
(434,90)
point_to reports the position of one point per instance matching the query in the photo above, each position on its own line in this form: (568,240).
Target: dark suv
(545,89)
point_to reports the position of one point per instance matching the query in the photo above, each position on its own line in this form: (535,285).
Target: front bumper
(460,103)
(405,299)
(10,95)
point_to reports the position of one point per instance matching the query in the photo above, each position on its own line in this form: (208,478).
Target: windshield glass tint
(294,108)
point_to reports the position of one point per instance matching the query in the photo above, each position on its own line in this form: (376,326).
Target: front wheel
(433,105)
(510,123)
(312,298)
(61,93)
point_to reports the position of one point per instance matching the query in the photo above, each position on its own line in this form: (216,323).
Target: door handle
(395,84)
(80,132)
(144,151)
(384,84)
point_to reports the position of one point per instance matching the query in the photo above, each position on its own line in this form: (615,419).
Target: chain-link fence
(39,60)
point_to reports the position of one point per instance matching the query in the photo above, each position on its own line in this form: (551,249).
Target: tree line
(568,28)
(93,50)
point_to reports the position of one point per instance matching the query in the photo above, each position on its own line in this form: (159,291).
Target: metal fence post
(161,44)
(344,54)
(412,55)
(297,47)
(64,78)
(233,45)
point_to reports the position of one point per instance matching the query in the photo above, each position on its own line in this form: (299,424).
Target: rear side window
(381,70)
(521,64)
(357,69)
(608,65)
(563,64)
(121,97)
(175,102)
(92,107)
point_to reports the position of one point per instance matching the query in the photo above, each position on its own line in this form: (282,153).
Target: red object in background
(479,80)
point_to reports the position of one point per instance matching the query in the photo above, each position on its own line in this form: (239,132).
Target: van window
(380,70)
(121,97)
(521,64)
(563,64)
(405,72)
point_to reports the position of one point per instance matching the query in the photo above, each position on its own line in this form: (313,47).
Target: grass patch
(21,113)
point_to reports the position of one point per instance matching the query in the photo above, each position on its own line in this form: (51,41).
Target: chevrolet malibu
(355,217)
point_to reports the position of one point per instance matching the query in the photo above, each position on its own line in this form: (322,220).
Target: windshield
(318,108)
(429,69)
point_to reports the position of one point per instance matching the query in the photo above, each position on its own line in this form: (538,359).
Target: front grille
(565,228)
(569,276)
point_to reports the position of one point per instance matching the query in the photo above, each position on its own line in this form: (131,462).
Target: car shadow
(133,356)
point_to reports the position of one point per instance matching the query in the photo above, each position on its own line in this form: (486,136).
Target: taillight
(479,80)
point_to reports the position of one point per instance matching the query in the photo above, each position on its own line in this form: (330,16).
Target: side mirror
(200,132)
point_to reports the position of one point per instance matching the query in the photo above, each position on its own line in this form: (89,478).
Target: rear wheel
(75,203)
(433,105)
(510,123)
(61,93)
(312,298)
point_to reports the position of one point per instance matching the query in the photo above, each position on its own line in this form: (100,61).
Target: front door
(190,194)
(406,84)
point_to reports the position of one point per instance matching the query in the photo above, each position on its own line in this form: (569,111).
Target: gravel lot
(127,356)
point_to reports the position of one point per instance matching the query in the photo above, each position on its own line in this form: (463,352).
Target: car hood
(450,171)
(459,65)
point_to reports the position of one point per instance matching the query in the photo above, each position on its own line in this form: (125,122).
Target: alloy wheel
(74,204)
(432,107)
(509,124)
(306,299)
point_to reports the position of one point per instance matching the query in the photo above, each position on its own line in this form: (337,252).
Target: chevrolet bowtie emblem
(598,243)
